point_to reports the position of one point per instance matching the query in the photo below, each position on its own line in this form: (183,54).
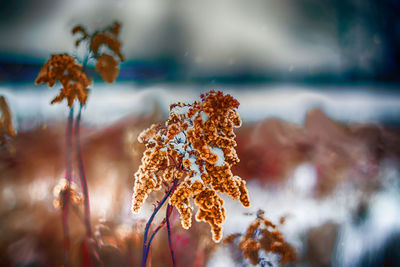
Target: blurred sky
(271,39)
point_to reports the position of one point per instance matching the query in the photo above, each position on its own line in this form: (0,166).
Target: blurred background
(318,83)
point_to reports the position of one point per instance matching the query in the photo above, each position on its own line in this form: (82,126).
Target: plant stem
(169,212)
(82,174)
(152,236)
(166,220)
(158,228)
(68,176)
(146,246)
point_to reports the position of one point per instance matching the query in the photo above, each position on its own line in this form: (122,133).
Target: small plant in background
(191,157)
(262,237)
(103,47)
(6,127)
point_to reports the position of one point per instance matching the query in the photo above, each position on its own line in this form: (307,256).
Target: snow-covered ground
(304,212)
(110,103)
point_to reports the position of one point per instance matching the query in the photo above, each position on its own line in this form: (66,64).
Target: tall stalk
(146,243)
(68,176)
(82,174)
(168,214)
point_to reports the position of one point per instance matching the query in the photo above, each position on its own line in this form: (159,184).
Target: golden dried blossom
(107,66)
(109,40)
(6,126)
(82,30)
(59,194)
(196,147)
(262,234)
(62,68)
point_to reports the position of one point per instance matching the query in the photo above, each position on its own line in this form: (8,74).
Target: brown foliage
(62,68)
(107,65)
(262,234)
(197,147)
(59,194)
(6,126)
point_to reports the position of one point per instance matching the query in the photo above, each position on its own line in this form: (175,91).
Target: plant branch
(68,176)
(146,246)
(169,212)
(82,174)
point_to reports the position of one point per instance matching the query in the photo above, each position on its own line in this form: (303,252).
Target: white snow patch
(220,153)
(221,258)
(305,178)
(204,116)
(194,167)
(180,110)
(109,103)
(383,221)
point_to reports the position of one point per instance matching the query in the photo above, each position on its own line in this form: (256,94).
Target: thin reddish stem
(82,174)
(68,177)
(146,243)
(169,212)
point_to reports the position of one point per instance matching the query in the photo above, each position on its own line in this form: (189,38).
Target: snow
(180,110)
(108,104)
(204,116)
(194,167)
(220,153)
(305,178)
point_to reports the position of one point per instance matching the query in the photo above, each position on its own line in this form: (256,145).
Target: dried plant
(262,235)
(192,155)
(64,69)
(59,194)
(6,126)
(107,63)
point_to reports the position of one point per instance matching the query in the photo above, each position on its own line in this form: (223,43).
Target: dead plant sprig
(194,149)
(64,69)
(262,235)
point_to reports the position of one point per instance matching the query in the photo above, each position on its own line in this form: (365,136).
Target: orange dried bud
(107,66)
(82,30)
(107,40)
(147,134)
(186,163)
(244,195)
(59,194)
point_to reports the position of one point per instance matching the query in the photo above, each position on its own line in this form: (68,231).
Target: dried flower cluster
(59,194)
(6,127)
(195,147)
(262,234)
(62,68)
(107,64)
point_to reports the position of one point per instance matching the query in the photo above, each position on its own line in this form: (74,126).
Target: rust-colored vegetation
(62,68)
(65,69)
(71,75)
(107,61)
(195,150)
(6,126)
(262,234)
